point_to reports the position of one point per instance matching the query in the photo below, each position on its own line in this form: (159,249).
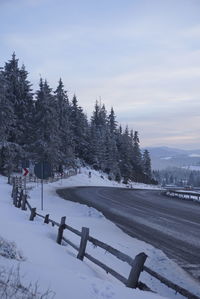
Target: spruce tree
(146,161)
(98,133)
(64,126)
(21,98)
(47,145)
(79,125)
(8,150)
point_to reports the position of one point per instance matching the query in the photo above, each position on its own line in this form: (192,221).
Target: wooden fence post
(137,268)
(60,230)
(83,243)
(15,196)
(13,191)
(9,179)
(33,214)
(46,219)
(20,199)
(23,205)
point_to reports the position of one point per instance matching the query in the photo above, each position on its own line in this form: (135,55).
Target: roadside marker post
(25,173)
(42,171)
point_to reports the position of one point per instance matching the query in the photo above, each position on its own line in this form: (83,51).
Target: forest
(176,176)
(48,126)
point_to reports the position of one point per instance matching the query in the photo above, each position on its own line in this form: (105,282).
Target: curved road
(171,225)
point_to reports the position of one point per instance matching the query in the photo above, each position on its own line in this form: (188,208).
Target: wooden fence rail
(137,264)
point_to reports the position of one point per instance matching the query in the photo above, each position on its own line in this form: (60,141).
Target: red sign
(25,171)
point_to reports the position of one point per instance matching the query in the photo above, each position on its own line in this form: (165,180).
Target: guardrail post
(33,214)
(60,230)
(137,268)
(46,219)
(83,243)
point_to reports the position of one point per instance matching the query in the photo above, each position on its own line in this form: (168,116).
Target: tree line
(47,125)
(181,177)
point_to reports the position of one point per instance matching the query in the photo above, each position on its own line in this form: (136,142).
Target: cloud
(141,57)
(192,32)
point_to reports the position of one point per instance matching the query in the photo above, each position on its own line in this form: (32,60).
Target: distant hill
(163,157)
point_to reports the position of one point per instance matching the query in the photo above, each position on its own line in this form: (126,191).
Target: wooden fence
(20,180)
(137,264)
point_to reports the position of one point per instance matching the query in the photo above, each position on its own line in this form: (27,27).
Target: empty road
(171,225)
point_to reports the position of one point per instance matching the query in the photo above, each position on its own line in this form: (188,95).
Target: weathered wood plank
(71,244)
(106,268)
(137,268)
(60,230)
(19,203)
(46,219)
(83,243)
(170,284)
(24,200)
(54,222)
(28,204)
(73,230)
(33,214)
(120,255)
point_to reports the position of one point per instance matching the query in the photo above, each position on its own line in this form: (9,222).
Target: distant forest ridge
(47,125)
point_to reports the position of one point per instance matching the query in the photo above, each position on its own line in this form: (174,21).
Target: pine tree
(112,122)
(47,138)
(64,126)
(20,97)
(146,162)
(112,155)
(8,150)
(7,117)
(79,125)
(136,156)
(98,131)
(54,129)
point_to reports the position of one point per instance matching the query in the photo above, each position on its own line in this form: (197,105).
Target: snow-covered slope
(56,267)
(163,157)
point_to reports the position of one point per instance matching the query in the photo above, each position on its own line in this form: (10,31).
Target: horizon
(141,58)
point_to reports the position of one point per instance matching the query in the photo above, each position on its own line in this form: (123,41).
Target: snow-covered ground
(192,167)
(56,267)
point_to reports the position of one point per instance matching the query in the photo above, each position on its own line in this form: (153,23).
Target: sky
(140,56)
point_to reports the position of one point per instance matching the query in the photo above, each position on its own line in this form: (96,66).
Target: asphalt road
(171,225)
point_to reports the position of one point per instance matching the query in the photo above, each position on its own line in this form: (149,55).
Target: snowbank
(56,267)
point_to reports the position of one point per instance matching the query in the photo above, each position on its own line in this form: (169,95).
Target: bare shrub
(12,288)
(9,250)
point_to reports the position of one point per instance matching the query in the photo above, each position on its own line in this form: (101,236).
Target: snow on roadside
(53,266)
(57,268)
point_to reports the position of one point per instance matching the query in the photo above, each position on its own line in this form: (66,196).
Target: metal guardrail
(191,195)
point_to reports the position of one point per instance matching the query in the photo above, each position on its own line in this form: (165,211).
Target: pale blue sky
(140,56)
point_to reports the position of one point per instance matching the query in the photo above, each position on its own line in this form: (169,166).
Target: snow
(194,155)
(192,167)
(56,267)
(166,158)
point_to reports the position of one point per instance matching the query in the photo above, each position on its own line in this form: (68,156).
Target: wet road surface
(172,225)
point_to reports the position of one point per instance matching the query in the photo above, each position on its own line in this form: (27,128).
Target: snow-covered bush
(10,280)
(9,250)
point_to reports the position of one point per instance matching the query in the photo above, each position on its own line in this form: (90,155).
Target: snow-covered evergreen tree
(79,125)
(47,144)
(146,162)
(20,97)
(64,126)
(52,128)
